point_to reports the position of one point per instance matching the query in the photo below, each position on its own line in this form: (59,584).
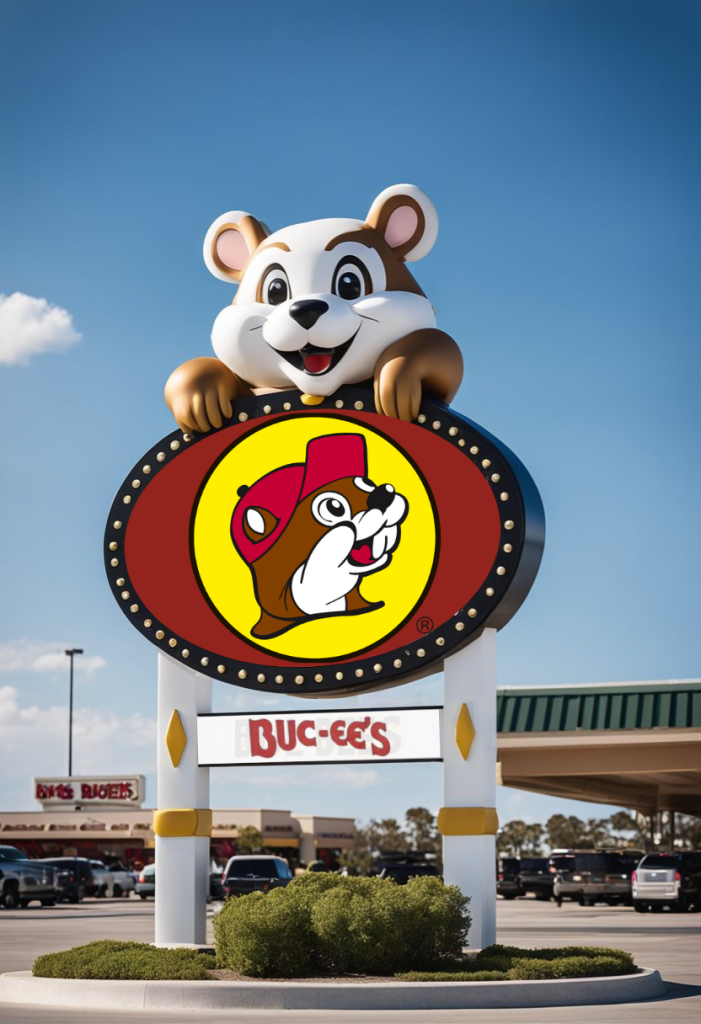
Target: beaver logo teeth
(311,531)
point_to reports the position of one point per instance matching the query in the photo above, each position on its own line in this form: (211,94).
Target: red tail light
(265,887)
(677,877)
(500,878)
(634,876)
(142,878)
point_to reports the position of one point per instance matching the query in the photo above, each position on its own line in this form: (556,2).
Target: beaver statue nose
(307,311)
(382,497)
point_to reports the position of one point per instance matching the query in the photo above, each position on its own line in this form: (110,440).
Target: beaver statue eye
(351,280)
(330,508)
(276,288)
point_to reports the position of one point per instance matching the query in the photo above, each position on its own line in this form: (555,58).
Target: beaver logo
(310,532)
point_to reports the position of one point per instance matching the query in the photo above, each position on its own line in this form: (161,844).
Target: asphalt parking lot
(669,942)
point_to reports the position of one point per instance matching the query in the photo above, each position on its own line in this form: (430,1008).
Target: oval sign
(317,549)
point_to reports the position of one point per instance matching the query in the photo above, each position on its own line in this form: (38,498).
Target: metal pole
(71,653)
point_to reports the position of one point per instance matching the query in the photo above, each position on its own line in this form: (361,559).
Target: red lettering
(262,729)
(355,733)
(381,747)
(337,732)
(302,730)
(288,742)
(113,790)
(102,791)
(64,792)
(40,792)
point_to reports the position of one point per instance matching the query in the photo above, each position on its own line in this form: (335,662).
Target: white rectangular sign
(90,790)
(361,735)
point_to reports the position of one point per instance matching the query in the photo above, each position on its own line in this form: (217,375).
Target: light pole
(71,653)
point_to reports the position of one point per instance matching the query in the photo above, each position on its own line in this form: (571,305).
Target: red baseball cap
(329,458)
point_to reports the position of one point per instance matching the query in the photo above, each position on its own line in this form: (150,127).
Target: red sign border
(525,533)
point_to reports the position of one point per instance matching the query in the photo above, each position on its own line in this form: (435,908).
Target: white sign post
(468,818)
(191,738)
(183,821)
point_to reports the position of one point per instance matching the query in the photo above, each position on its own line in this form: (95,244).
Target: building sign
(322,549)
(370,735)
(88,790)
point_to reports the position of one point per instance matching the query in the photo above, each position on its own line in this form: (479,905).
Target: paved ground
(669,942)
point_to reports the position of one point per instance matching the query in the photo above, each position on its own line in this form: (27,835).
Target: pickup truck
(23,880)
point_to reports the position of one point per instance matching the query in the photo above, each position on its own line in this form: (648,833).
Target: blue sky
(560,143)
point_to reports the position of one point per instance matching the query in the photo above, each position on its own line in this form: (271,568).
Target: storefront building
(101,818)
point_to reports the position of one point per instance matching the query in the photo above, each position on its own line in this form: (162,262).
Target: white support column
(182,854)
(468,819)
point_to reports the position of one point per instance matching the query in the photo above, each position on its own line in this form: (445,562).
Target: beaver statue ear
(407,220)
(258,523)
(230,242)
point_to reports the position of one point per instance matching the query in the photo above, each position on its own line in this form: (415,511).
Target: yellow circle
(228,581)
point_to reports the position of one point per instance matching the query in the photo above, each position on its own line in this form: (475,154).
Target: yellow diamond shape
(464,732)
(176,738)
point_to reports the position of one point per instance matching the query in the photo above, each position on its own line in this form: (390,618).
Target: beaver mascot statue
(319,305)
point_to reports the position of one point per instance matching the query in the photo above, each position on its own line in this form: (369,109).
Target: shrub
(509,963)
(265,935)
(325,922)
(123,961)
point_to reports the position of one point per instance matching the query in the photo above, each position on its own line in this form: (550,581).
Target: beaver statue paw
(200,394)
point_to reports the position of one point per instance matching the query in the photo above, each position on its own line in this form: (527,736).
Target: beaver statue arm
(425,360)
(200,393)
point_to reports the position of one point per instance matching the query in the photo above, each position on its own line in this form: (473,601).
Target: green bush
(325,922)
(124,961)
(509,963)
(265,935)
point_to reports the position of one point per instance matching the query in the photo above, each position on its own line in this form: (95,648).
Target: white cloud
(30,326)
(44,656)
(34,742)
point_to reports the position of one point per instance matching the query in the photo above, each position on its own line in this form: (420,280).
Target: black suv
(508,878)
(257,873)
(536,877)
(668,880)
(75,877)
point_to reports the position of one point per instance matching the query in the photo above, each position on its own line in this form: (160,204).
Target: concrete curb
(21,987)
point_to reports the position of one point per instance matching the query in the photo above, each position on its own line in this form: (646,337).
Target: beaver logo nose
(382,497)
(307,311)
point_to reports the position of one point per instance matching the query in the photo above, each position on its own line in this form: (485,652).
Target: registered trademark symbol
(424,624)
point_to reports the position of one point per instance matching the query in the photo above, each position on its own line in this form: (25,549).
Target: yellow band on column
(182,822)
(467,821)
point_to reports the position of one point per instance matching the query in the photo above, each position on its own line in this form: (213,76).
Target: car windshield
(149,870)
(253,867)
(12,853)
(534,863)
(661,860)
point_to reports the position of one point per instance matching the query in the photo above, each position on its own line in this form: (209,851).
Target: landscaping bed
(326,928)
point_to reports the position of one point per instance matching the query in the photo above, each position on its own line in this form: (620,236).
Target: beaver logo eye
(276,287)
(351,280)
(330,508)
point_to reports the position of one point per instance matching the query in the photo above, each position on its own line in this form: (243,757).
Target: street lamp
(71,653)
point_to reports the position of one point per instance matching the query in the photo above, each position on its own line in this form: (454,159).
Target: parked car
(595,876)
(102,880)
(403,866)
(146,884)
(121,881)
(255,873)
(23,880)
(535,877)
(668,880)
(75,877)
(508,877)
